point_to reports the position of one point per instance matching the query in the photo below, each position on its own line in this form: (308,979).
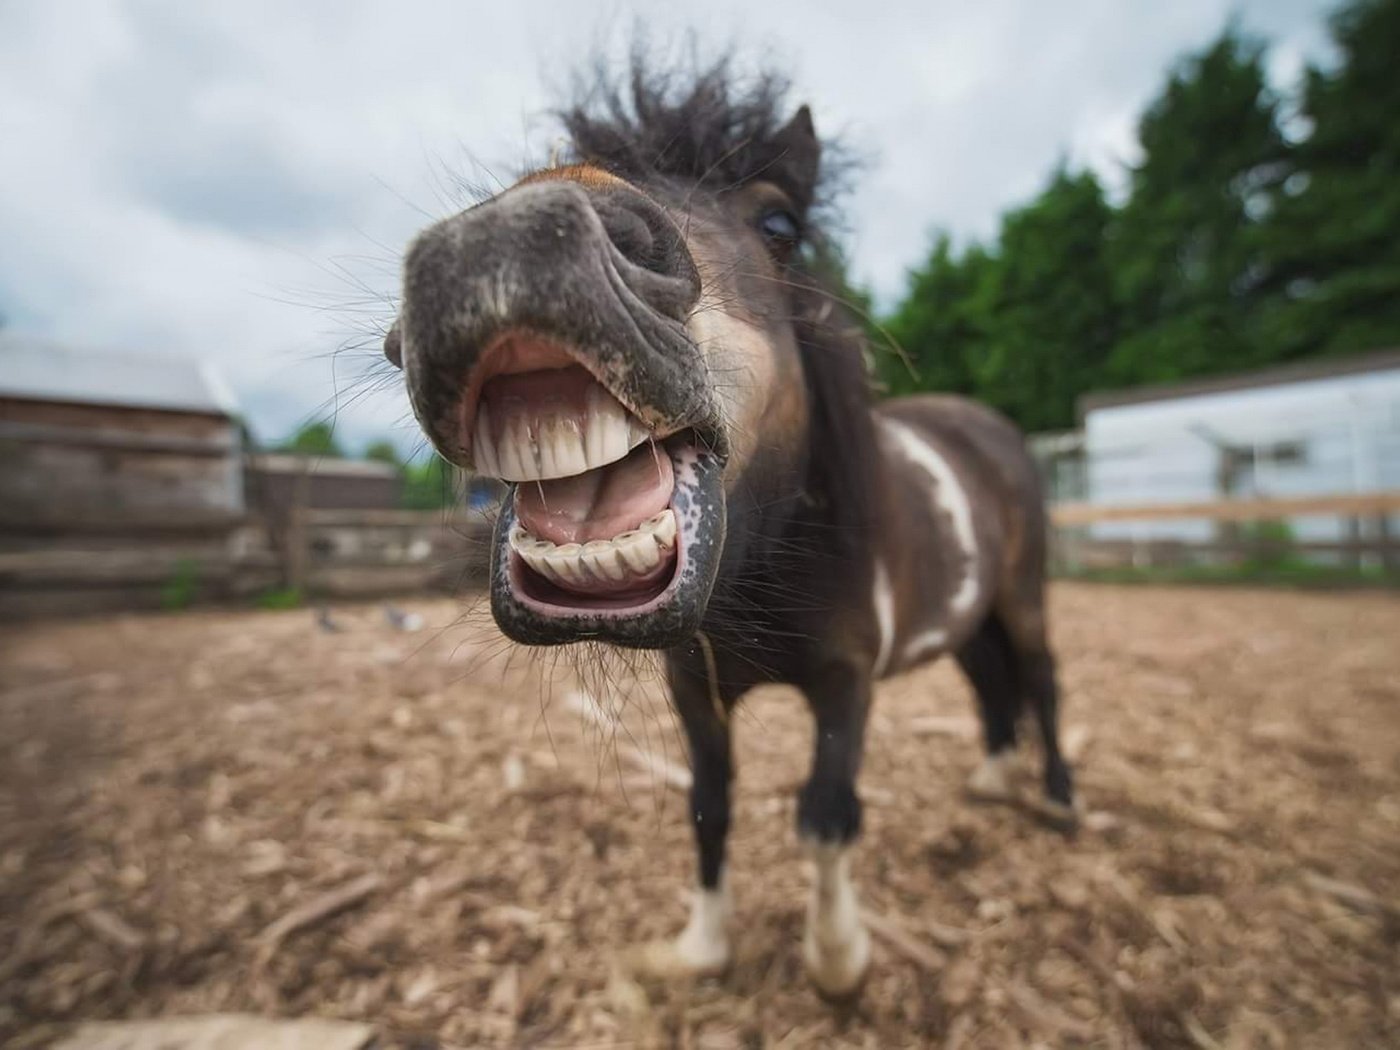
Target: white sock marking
(836,947)
(994,778)
(950,497)
(703,946)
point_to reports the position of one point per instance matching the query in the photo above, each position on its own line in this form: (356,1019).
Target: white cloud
(234,181)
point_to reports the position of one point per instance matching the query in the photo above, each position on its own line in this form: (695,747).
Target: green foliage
(1186,247)
(431,485)
(313,439)
(1295,572)
(1234,248)
(1025,327)
(1335,242)
(1271,547)
(1049,310)
(938,324)
(383,452)
(180,590)
(281,598)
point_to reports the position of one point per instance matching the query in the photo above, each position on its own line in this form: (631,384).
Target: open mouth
(611,529)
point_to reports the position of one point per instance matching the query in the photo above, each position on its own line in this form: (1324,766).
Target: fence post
(296,531)
(1385,540)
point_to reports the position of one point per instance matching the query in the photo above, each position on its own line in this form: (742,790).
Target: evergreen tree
(1048,315)
(1187,246)
(937,324)
(1335,241)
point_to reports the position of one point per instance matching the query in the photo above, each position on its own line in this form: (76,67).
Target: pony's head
(618,337)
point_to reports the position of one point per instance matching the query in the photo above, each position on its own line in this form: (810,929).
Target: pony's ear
(797,158)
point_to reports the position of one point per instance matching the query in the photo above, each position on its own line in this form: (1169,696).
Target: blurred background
(1163,238)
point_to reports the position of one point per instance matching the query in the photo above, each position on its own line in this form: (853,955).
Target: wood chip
(1357,898)
(1043,1016)
(942,725)
(219,1032)
(894,935)
(112,929)
(327,905)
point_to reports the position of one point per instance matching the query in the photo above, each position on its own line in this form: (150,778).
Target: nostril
(662,271)
(631,236)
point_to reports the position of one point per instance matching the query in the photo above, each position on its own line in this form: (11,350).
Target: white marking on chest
(949,497)
(884,616)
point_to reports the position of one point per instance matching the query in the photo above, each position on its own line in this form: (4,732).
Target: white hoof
(995,778)
(837,968)
(701,950)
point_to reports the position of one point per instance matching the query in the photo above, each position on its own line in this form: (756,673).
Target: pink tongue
(599,504)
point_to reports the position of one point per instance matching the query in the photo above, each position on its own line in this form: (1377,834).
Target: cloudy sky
(234,181)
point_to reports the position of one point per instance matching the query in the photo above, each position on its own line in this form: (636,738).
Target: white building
(1316,428)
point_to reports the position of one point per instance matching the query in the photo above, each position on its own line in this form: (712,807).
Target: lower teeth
(634,553)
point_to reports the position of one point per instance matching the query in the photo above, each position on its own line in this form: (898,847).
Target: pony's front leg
(836,946)
(702,948)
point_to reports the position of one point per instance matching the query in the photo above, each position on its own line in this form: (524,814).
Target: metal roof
(35,369)
(1294,372)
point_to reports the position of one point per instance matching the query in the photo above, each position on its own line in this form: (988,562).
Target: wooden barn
(276,481)
(96,436)
(115,471)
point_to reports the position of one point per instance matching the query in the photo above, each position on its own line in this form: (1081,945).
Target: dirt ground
(428,831)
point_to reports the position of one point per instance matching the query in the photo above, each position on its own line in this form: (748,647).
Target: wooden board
(219,1032)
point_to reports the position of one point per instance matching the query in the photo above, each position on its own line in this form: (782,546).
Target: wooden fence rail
(78,566)
(1350,505)
(1074,548)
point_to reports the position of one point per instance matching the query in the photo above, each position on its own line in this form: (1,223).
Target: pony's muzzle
(544,340)
(602,273)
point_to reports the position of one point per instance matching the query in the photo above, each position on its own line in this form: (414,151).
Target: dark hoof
(1056,815)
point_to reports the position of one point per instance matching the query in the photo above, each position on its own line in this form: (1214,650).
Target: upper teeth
(551,442)
(633,553)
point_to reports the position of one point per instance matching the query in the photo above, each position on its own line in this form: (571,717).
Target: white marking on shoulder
(884,616)
(950,497)
(836,946)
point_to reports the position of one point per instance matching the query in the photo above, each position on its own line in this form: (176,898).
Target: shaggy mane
(703,123)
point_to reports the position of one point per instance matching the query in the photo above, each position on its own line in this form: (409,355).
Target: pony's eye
(779,227)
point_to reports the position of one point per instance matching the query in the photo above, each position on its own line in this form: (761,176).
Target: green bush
(180,591)
(281,598)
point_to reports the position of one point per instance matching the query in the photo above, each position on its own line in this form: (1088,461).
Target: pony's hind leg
(1042,690)
(1029,650)
(702,947)
(990,663)
(836,945)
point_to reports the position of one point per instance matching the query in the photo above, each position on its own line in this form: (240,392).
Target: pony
(644,341)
